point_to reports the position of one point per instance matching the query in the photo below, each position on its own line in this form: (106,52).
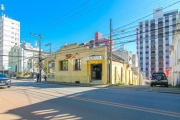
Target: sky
(63,22)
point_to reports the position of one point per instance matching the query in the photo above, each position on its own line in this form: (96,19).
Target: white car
(159,78)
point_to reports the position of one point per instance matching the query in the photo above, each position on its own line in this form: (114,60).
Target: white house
(174,77)
(22,58)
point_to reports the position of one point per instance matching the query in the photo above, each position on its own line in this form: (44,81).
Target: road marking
(150,110)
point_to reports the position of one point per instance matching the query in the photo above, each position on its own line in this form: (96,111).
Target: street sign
(40,65)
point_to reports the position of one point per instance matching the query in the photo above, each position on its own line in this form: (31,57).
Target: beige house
(75,63)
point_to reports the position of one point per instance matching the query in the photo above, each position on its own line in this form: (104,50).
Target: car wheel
(167,85)
(151,85)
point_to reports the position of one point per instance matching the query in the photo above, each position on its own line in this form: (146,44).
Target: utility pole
(40,59)
(110,68)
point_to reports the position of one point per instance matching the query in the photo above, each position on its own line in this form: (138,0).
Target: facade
(129,58)
(125,54)
(22,58)
(79,64)
(174,76)
(9,36)
(153,40)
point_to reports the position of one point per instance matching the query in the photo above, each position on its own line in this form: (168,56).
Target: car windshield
(2,76)
(159,74)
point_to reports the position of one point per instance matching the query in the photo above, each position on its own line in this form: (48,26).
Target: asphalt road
(27,100)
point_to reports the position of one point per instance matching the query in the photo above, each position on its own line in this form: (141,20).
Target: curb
(77,84)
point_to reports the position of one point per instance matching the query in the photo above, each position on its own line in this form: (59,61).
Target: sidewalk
(159,89)
(76,84)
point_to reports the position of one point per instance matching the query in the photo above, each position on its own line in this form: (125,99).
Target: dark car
(159,78)
(4,80)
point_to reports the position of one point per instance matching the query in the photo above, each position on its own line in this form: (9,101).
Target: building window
(167,56)
(160,68)
(167,44)
(78,64)
(64,65)
(167,62)
(146,68)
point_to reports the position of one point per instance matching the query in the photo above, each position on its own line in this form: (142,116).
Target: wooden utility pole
(110,68)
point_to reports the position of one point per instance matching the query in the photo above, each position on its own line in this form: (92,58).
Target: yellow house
(75,63)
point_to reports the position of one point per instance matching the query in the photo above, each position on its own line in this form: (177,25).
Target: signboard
(69,56)
(40,65)
(94,58)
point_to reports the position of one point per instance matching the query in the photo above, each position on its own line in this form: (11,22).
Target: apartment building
(9,36)
(153,39)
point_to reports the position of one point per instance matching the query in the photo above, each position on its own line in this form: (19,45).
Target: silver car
(159,78)
(4,80)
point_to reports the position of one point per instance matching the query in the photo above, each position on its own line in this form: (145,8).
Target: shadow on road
(85,105)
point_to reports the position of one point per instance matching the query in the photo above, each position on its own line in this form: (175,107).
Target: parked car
(5,81)
(159,78)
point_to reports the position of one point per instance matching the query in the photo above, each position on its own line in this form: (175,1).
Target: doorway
(96,72)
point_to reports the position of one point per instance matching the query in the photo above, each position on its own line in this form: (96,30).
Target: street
(27,100)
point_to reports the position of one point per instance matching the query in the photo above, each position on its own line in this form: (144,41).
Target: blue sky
(60,23)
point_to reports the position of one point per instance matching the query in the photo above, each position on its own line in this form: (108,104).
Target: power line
(145,16)
(145,32)
(63,15)
(78,16)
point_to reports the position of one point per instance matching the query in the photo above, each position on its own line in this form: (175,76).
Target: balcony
(152,43)
(160,48)
(153,65)
(153,49)
(160,66)
(153,54)
(153,60)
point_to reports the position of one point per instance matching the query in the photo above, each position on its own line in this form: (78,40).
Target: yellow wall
(121,73)
(83,75)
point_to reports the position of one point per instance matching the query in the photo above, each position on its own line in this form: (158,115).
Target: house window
(64,65)
(78,64)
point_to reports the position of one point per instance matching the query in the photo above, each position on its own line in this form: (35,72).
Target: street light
(40,59)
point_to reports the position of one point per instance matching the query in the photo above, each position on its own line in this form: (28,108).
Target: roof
(115,57)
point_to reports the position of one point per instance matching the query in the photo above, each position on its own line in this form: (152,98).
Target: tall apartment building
(9,36)
(153,40)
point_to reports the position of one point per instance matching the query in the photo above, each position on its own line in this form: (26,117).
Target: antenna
(2,9)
